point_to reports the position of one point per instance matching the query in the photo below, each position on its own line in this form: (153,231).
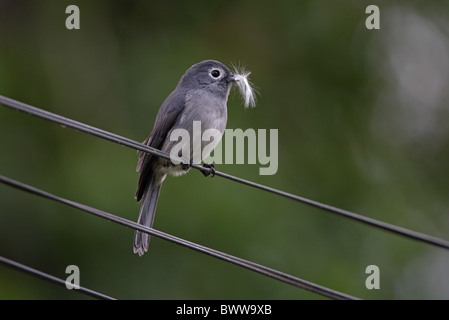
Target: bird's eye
(215,73)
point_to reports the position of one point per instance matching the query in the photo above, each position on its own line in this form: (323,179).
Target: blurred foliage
(362,118)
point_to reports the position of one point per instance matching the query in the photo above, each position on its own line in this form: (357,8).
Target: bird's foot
(211,167)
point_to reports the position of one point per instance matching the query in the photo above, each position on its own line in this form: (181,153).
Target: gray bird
(201,95)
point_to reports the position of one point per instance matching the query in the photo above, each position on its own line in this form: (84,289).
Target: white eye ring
(215,73)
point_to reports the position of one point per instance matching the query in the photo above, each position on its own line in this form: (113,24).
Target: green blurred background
(363,125)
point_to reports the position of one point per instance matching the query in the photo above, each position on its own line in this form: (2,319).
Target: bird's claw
(211,167)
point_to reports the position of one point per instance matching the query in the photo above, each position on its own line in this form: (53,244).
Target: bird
(200,96)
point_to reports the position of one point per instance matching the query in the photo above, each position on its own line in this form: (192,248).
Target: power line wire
(48,277)
(275,274)
(141,147)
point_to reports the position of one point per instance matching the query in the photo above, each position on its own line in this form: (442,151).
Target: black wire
(348,214)
(141,147)
(48,277)
(286,278)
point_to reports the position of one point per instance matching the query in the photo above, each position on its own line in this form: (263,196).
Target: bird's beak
(232,78)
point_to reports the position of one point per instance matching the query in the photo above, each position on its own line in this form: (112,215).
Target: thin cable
(286,278)
(141,147)
(67,122)
(347,214)
(48,277)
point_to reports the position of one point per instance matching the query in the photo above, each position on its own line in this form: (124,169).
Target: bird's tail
(146,215)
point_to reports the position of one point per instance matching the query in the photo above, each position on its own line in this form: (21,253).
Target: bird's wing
(167,116)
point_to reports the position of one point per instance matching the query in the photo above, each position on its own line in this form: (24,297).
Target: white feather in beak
(246,88)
